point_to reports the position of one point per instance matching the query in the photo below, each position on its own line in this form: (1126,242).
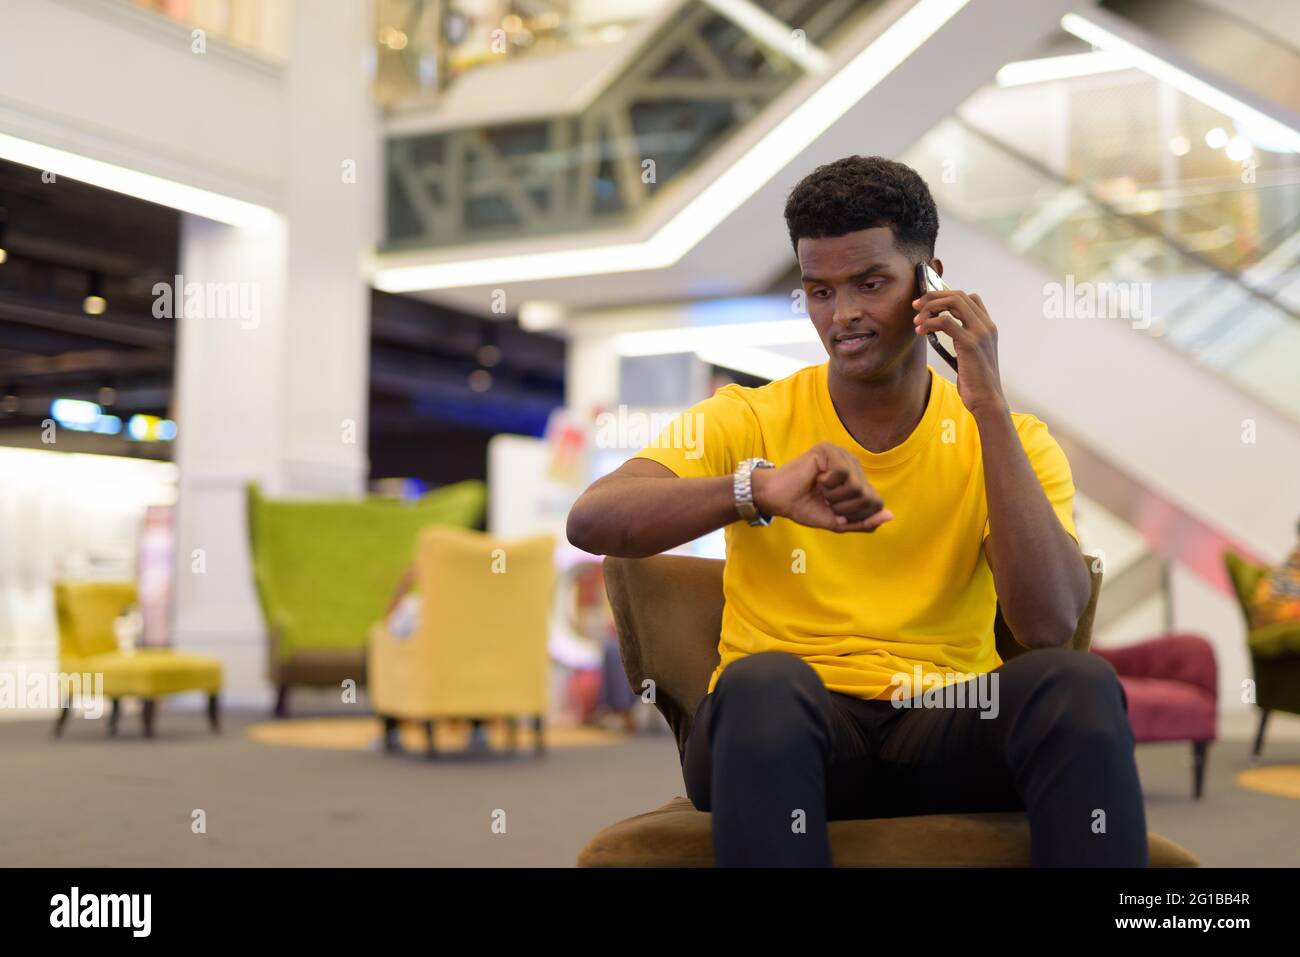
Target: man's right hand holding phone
(823,488)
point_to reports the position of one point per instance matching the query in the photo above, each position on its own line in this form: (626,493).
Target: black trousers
(774,755)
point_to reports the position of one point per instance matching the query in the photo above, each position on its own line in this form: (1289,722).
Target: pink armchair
(1171,683)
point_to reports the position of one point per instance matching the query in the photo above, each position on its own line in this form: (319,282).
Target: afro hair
(863,192)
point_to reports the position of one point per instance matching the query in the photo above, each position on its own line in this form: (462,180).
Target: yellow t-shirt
(861,608)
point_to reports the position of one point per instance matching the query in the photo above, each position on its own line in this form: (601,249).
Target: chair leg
(282,701)
(150,711)
(214,713)
(1259,735)
(65,709)
(430,734)
(113,715)
(1199,751)
(540,744)
(390,734)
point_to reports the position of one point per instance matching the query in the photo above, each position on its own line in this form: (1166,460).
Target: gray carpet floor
(86,800)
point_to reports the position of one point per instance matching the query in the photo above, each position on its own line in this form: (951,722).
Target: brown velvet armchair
(668,610)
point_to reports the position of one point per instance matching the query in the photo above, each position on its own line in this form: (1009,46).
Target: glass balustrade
(1235,315)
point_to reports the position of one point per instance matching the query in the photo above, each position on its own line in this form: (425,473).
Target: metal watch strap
(744,491)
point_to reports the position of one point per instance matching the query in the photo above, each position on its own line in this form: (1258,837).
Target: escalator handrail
(1137,222)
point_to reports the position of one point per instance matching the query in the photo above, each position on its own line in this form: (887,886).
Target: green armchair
(1274,649)
(325,572)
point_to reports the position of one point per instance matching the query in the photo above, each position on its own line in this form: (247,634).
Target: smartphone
(927,280)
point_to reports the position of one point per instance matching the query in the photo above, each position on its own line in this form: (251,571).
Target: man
(902,510)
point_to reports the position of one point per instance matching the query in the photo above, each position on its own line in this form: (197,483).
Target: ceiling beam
(106,328)
(89,360)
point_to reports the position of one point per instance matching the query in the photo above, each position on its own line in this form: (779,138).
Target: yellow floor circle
(363,734)
(1282,780)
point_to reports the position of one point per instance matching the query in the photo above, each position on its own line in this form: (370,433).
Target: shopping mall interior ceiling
(65,243)
(76,322)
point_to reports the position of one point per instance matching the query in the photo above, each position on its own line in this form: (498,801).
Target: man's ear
(937,265)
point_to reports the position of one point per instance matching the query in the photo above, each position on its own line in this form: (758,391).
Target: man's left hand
(976,337)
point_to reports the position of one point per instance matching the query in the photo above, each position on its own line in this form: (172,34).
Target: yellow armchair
(479,648)
(87,645)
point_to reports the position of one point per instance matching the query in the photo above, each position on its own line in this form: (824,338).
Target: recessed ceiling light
(1239,148)
(536,315)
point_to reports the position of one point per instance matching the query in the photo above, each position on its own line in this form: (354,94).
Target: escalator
(1225,297)
(644,176)
(577,156)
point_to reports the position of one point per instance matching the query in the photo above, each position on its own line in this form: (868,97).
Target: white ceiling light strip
(1066,67)
(129,182)
(719,199)
(1213,97)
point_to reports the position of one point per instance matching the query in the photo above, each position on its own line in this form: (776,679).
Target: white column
(229,378)
(282,400)
(591,376)
(333,187)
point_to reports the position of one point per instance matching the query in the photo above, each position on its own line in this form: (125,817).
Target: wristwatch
(744,490)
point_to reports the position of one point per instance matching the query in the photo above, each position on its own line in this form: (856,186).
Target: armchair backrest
(86,611)
(485,619)
(325,569)
(668,611)
(1245,576)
